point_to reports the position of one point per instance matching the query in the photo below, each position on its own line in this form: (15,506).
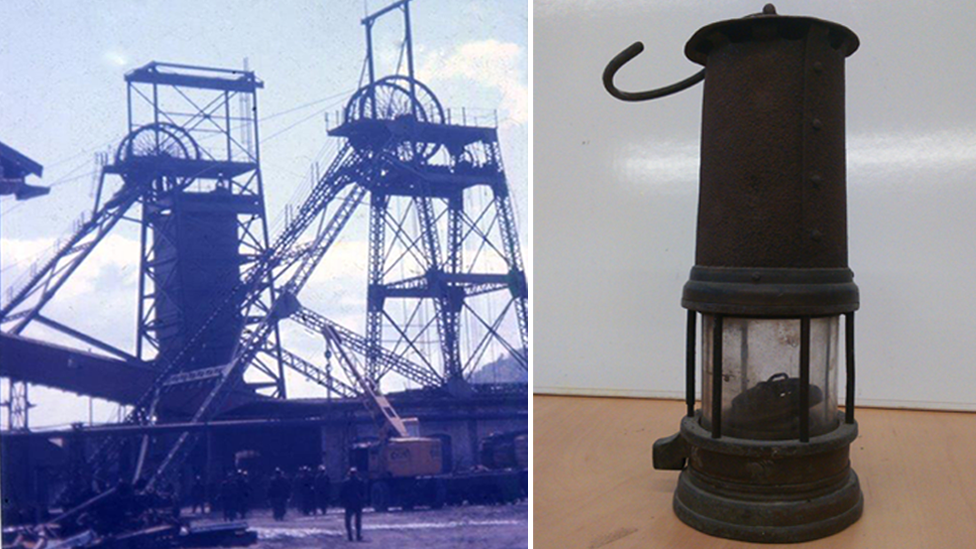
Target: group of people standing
(313,491)
(310,491)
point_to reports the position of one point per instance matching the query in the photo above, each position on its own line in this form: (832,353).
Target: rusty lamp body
(767,457)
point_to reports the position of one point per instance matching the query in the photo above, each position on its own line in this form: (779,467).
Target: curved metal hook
(631,52)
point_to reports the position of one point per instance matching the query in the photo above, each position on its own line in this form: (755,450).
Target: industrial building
(204,386)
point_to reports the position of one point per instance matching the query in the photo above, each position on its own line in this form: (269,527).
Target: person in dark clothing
(198,495)
(228,497)
(278,492)
(243,493)
(353,496)
(306,489)
(323,489)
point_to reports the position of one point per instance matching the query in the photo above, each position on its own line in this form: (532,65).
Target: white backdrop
(615,197)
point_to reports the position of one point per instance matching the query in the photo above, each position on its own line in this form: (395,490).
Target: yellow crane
(401,465)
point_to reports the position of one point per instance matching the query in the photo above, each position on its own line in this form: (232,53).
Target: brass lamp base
(765,491)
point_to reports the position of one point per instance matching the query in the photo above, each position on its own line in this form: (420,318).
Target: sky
(630,170)
(62,99)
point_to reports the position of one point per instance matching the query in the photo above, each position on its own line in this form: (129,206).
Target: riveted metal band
(764,28)
(764,292)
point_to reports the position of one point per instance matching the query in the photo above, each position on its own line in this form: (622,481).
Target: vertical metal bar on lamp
(804,400)
(690,364)
(717,377)
(849,351)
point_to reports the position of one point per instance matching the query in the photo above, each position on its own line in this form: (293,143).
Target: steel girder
(423,375)
(445,248)
(261,320)
(25,303)
(279,261)
(322,377)
(18,405)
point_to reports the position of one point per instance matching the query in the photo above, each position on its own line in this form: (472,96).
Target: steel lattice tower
(204,225)
(212,289)
(442,234)
(191,161)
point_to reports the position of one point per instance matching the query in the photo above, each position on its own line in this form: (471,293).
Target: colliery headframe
(445,284)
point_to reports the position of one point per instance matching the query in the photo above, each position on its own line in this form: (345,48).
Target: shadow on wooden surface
(594,485)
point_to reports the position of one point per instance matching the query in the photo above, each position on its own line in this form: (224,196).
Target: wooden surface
(594,485)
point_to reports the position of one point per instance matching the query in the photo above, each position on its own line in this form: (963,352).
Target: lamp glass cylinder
(761,376)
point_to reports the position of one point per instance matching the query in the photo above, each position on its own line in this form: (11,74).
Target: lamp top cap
(766,25)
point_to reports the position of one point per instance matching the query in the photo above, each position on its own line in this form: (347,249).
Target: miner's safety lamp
(766,458)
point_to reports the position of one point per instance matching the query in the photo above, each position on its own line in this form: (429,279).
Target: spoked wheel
(424,97)
(158,141)
(390,98)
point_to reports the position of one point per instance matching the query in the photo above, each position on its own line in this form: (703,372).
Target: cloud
(115,58)
(16,255)
(98,298)
(490,63)
(115,255)
(345,259)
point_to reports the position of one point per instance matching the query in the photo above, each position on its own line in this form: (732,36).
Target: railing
(44,258)
(462,116)
(486,118)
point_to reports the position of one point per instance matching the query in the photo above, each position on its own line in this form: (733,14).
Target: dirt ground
(468,527)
